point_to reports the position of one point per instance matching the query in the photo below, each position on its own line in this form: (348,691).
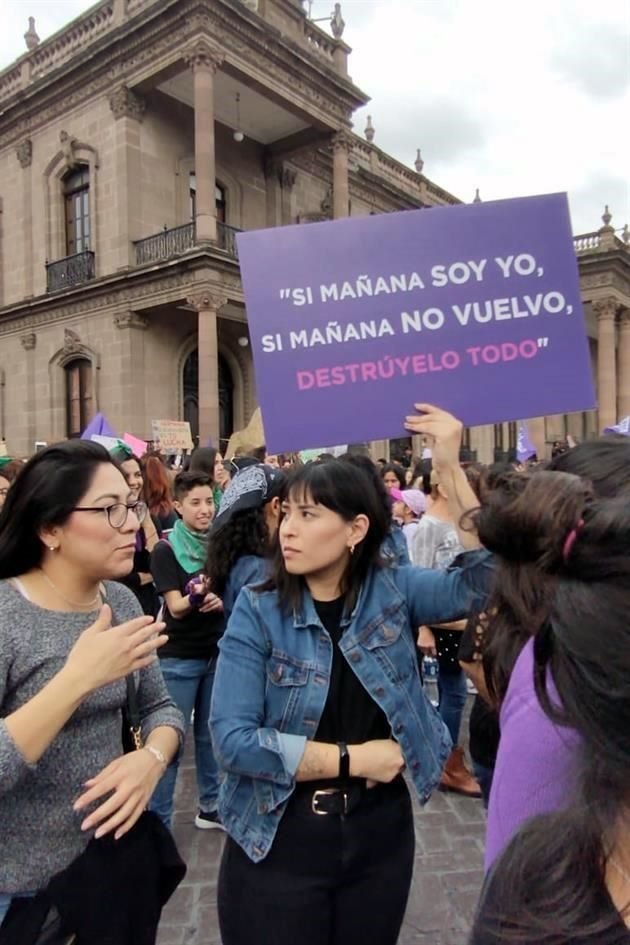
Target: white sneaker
(208,820)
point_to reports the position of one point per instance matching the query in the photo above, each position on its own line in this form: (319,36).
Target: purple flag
(622,427)
(525,449)
(98,425)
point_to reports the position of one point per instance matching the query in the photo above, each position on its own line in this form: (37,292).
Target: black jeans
(328,880)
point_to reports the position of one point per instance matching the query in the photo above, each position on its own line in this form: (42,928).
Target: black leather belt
(342,800)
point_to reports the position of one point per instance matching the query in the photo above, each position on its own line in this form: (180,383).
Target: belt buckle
(327,792)
(323,792)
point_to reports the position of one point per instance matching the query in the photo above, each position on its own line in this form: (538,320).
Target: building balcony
(171,243)
(70,271)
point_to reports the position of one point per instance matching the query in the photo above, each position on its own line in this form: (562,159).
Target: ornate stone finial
(606,216)
(29,341)
(337,22)
(30,37)
(419,163)
(203,55)
(68,144)
(477,198)
(127,104)
(24,152)
(369,130)
(625,234)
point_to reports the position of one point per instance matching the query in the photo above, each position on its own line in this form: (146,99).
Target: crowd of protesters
(290,614)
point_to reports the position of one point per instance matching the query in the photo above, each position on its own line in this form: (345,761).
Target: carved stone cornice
(342,142)
(24,153)
(125,103)
(606,309)
(29,341)
(204,299)
(131,320)
(202,54)
(624,320)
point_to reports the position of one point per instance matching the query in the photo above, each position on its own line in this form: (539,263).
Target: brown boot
(457,778)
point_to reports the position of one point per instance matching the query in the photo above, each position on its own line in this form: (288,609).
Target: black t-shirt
(195,636)
(350,714)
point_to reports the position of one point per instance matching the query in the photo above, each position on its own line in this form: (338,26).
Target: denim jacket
(250,569)
(273,675)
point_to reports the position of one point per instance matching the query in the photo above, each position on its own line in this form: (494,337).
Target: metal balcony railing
(70,271)
(226,239)
(166,244)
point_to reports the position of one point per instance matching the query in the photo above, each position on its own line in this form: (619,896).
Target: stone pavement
(447,878)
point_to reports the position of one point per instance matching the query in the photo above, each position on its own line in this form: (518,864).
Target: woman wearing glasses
(69,635)
(140,579)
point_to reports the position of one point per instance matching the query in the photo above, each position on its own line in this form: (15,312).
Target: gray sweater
(40,834)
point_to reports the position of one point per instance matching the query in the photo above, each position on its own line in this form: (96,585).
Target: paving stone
(447,877)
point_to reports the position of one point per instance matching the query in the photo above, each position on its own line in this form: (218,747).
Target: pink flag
(139,447)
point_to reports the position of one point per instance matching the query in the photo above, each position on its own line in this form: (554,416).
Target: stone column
(128,109)
(207,305)
(24,153)
(29,342)
(606,311)
(204,60)
(482,442)
(536,430)
(341,145)
(623,364)
(131,381)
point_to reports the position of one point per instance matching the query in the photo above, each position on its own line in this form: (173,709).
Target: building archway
(190,386)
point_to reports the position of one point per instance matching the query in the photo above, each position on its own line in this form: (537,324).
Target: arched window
(190,384)
(76,190)
(220,197)
(79,399)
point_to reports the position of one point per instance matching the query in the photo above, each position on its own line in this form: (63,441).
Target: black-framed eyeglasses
(117,513)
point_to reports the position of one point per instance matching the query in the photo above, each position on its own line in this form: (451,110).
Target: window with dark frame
(78,396)
(76,190)
(220,196)
(498,436)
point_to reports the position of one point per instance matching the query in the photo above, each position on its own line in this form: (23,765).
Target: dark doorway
(191,397)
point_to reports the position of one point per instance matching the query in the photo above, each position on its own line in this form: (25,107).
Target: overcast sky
(514,98)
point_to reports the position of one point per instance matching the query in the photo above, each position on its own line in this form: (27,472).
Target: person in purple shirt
(535,767)
(564,879)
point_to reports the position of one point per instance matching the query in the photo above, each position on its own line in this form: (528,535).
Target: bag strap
(132,711)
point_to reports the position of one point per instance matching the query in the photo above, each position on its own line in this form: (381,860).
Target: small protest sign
(475,308)
(172,435)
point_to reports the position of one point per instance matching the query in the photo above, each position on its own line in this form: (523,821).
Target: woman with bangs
(318,708)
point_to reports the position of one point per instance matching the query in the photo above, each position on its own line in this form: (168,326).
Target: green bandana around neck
(189,547)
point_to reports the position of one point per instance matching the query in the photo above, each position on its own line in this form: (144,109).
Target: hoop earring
(352,547)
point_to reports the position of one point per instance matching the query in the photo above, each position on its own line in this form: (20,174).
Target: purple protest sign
(475,308)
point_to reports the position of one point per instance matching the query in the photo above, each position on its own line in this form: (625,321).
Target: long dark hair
(45,494)
(549,884)
(521,595)
(520,520)
(346,489)
(397,470)
(246,533)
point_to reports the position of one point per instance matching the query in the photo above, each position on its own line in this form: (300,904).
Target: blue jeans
(189,683)
(453,693)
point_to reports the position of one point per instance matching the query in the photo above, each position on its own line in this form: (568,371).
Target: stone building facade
(134,144)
